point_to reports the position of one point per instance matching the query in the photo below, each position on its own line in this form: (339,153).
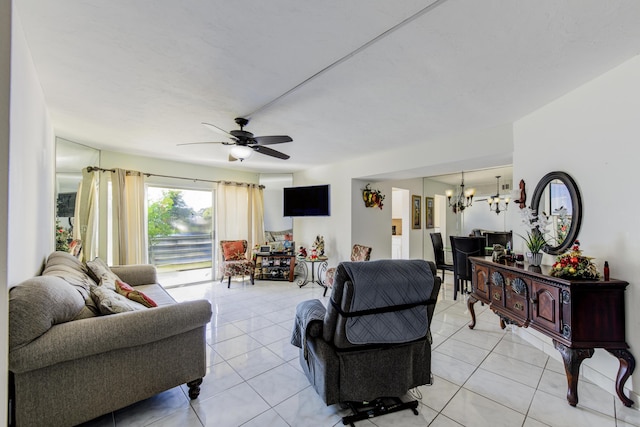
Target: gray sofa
(70,363)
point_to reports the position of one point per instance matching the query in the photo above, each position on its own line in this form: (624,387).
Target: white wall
(5,108)
(27,188)
(274,184)
(32,167)
(592,134)
(447,155)
(371,226)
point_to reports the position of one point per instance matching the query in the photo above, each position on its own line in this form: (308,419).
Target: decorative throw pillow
(102,273)
(134,295)
(233,250)
(37,304)
(111,302)
(69,268)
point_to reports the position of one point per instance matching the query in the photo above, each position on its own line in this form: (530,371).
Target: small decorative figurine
(302,252)
(318,245)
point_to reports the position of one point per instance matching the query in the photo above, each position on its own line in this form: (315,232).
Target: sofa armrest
(138,274)
(96,335)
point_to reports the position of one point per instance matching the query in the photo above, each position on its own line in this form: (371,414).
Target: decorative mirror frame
(576,202)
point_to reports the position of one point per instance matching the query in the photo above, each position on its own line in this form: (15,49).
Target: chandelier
(462,199)
(495,201)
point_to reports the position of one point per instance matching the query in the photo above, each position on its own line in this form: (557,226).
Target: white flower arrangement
(538,225)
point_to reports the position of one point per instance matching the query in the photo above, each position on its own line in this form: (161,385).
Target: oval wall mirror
(557,195)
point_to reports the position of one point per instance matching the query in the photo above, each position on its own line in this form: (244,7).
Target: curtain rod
(96,168)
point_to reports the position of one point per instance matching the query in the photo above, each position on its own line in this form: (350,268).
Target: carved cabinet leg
(470,303)
(573,358)
(194,388)
(627,366)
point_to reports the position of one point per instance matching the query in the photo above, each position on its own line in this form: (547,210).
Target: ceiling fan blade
(272,139)
(207,142)
(269,152)
(216,129)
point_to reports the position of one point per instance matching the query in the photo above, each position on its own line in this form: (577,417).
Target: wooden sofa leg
(194,388)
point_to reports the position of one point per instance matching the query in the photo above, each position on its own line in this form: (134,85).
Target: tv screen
(306,201)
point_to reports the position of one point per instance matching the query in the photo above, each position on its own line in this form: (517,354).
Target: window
(180,231)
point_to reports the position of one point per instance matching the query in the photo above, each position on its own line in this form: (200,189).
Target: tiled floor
(484,377)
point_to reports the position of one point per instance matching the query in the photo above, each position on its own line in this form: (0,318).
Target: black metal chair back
(438,248)
(438,254)
(463,248)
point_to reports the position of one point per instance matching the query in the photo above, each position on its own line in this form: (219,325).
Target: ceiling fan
(244,143)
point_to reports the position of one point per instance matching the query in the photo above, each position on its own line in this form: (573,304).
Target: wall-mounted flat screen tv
(306,201)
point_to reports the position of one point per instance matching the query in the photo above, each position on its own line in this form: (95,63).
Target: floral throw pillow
(134,295)
(234,250)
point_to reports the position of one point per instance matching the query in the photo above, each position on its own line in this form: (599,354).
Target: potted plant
(535,239)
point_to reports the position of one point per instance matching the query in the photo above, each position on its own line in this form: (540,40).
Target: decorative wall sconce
(522,200)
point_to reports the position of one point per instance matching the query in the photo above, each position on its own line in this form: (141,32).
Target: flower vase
(534,259)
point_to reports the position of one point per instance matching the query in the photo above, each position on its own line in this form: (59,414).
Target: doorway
(400,225)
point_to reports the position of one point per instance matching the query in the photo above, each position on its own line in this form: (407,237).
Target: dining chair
(438,253)
(463,248)
(326,275)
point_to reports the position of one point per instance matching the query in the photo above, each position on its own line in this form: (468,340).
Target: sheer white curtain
(240,212)
(129,240)
(86,214)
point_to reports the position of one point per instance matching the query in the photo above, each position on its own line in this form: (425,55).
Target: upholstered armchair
(372,342)
(326,275)
(235,261)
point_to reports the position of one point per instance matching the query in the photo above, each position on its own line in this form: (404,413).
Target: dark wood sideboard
(578,315)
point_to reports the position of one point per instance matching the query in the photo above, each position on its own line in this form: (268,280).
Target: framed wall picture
(416,212)
(428,209)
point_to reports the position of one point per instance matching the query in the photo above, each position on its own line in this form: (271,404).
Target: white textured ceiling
(140,76)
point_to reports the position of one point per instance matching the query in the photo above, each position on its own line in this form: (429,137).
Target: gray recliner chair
(372,343)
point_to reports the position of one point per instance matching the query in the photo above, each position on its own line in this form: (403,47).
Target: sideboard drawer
(516,291)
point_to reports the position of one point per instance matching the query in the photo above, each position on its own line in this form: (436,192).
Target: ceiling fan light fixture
(241,152)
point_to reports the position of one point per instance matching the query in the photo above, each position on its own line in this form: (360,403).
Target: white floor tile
(236,406)
(153,409)
(437,395)
(471,409)
(555,411)
(236,346)
(485,376)
(510,393)
(463,351)
(255,362)
(279,384)
(307,409)
(269,418)
(449,368)
(514,369)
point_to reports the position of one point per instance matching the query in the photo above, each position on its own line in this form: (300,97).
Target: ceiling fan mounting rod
(242,122)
